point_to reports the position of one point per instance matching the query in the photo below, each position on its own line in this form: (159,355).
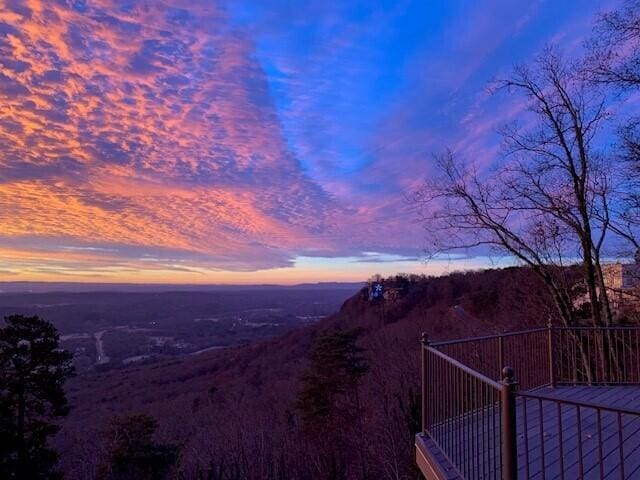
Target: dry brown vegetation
(232,412)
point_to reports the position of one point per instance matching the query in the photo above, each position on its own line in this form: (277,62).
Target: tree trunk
(22,443)
(604,296)
(590,278)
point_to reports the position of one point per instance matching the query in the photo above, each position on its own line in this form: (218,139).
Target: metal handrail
(568,401)
(610,327)
(529,331)
(562,356)
(464,368)
(488,337)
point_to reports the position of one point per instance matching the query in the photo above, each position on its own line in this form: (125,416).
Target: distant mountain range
(40,287)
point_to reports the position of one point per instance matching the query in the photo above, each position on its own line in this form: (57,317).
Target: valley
(109,329)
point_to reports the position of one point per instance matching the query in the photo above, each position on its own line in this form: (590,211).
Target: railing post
(500,354)
(509,432)
(552,372)
(425,381)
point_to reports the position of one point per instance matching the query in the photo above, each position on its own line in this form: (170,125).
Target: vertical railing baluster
(469,423)
(624,356)
(560,442)
(621,442)
(552,376)
(483,395)
(589,354)
(580,453)
(509,432)
(501,364)
(463,398)
(474,417)
(525,429)
(603,363)
(600,446)
(637,349)
(425,382)
(495,434)
(593,357)
(438,393)
(460,406)
(541,431)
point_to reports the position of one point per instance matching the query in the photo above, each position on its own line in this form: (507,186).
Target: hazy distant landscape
(107,329)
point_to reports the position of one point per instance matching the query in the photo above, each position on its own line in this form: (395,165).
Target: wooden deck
(556,445)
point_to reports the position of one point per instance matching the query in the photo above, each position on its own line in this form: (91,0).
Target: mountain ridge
(208,403)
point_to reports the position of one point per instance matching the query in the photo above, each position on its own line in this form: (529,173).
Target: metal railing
(465,420)
(527,352)
(597,356)
(478,423)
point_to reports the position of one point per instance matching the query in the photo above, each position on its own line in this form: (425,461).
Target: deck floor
(550,448)
(562,459)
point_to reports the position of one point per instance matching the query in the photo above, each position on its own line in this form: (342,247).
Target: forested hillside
(240,413)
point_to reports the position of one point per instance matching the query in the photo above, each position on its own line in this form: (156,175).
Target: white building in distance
(623,283)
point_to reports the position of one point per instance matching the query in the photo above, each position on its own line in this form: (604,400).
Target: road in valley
(101,356)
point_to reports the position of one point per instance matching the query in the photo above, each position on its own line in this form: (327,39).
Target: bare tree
(614,48)
(547,204)
(464,211)
(614,61)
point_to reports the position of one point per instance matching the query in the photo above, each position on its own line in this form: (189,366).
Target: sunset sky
(246,141)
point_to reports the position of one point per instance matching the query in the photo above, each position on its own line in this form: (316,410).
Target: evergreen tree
(329,405)
(132,453)
(33,370)
(329,384)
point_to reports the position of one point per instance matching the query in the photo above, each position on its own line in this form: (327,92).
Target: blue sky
(246,141)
